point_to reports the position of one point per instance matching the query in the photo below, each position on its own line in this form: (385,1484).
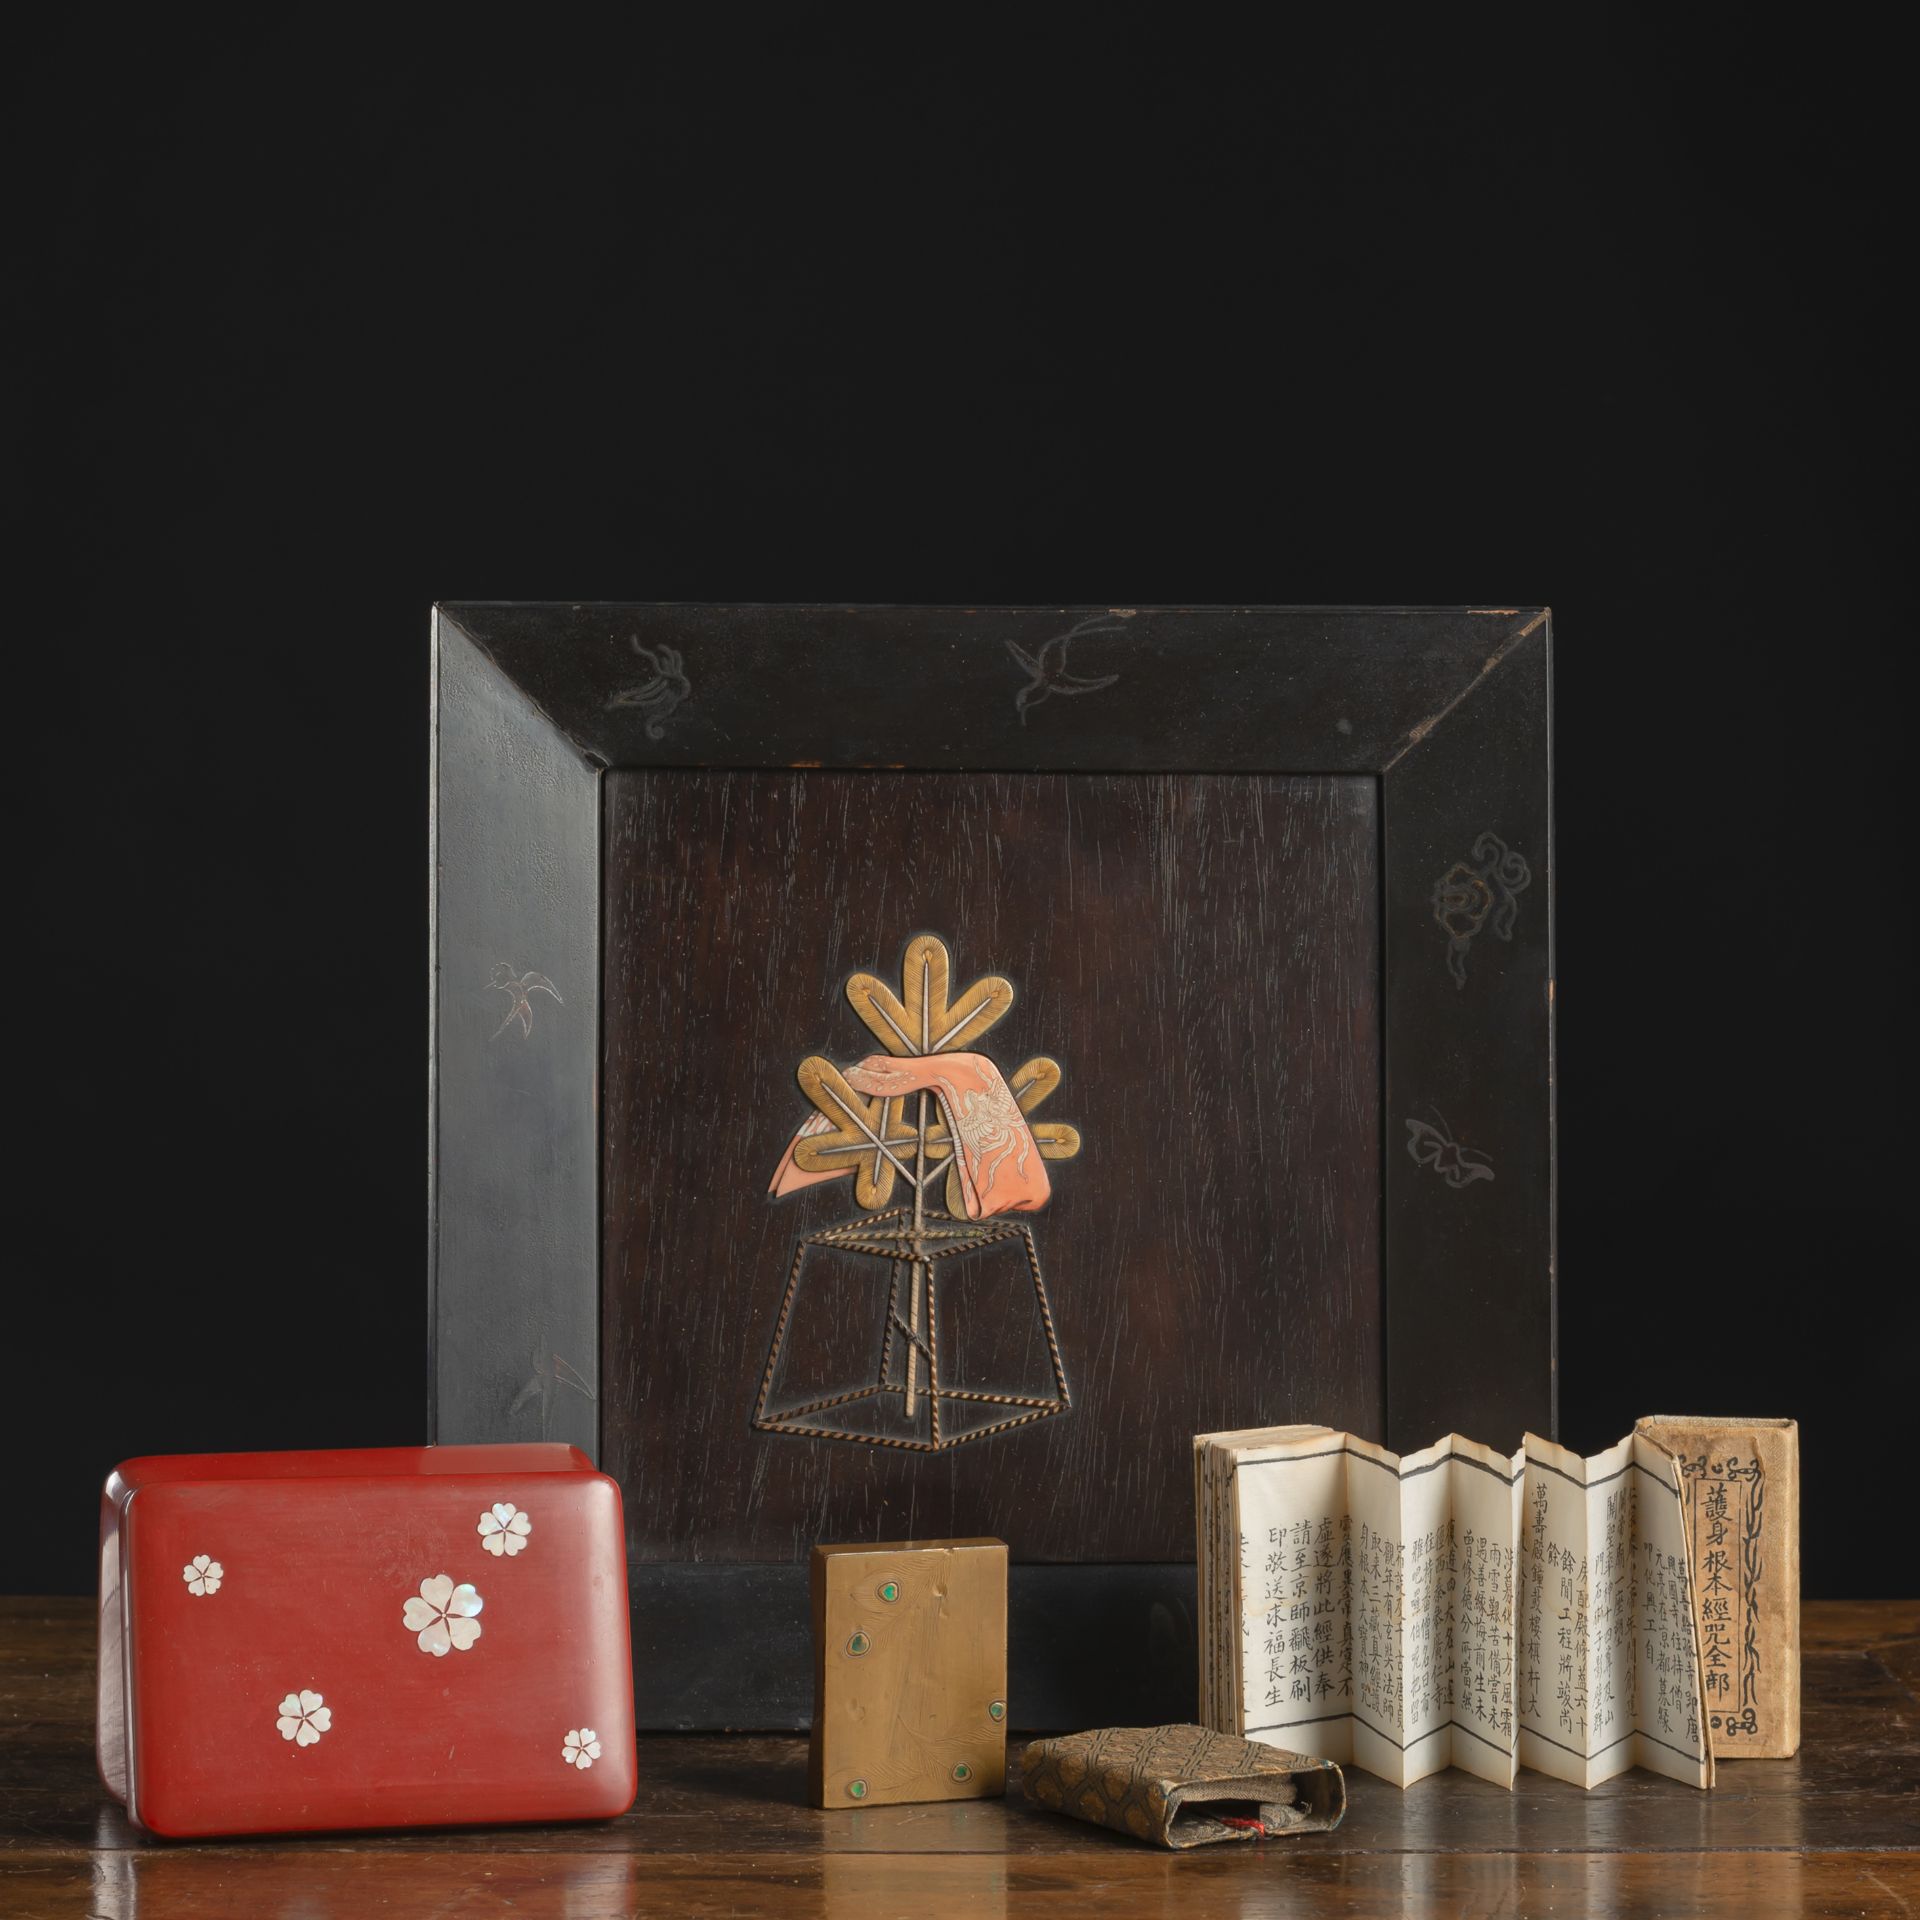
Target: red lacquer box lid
(394,1637)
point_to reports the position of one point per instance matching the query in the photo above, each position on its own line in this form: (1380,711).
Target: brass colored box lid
(909,1672)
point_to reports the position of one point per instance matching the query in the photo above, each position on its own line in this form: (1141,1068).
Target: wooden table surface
(720,1828)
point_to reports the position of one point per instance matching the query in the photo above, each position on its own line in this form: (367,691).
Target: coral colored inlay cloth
(999,1161)
(788,1176)
(1001,1170)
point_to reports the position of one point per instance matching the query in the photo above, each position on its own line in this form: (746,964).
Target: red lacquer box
(396,1637)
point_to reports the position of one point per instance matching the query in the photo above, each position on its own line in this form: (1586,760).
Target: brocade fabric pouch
(1183,1786)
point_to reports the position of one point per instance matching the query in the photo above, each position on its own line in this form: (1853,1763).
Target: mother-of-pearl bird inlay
(517,986)
(661,692)
(1048,667)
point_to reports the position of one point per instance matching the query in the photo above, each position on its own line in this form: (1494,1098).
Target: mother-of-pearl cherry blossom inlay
(304,1717)
(203,1574)
(444,1616)
(504,1528)
(581,1748)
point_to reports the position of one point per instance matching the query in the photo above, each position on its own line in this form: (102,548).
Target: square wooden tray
(1272,885)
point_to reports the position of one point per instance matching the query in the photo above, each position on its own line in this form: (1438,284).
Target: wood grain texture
(1839,1626)
(1200,954)
(722,1828)
(1129,1882)
(909,1673)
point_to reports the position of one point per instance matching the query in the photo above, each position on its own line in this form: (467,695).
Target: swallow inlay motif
(1049,666)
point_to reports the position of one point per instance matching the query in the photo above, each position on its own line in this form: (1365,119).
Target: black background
(320,329)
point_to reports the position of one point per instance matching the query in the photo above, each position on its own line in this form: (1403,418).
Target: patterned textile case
(1183,1786)
(394,1637)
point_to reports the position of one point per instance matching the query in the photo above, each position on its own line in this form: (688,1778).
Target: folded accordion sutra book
(1455,1606)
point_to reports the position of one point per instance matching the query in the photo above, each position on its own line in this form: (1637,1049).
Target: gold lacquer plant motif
(931,1110)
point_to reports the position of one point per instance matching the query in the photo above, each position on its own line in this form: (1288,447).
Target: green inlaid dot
(857,1788)
(997,1711)
(891,1591)
(963,1771)
(858,1644)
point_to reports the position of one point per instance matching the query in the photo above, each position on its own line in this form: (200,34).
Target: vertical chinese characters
(1728,1495)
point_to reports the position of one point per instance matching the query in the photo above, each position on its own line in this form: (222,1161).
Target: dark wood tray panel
(1247,689)
(1443,715)
(1201,955)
